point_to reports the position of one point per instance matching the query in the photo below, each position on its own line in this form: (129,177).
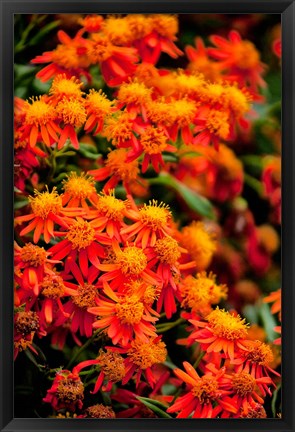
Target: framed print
(147,208)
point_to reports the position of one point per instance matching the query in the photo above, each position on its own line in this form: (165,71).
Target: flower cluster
(134,237)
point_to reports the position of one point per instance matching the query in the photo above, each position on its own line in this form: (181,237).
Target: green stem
(168,326)
(199,358)
(82,348)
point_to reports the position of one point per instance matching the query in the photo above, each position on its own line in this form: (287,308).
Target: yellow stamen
(206,389)
(243,383)
(155,216)
(132,260)
(153,140)
(81,234)
(167,250)
(130,310)
(227,326)
(146,354)
(112,365)
(110,206)
(200,244)
(126,171)
(86,296)
(68,87)
(71,111)
(79,186)
(52,287)
(46,202)
(100,411)
(33,255)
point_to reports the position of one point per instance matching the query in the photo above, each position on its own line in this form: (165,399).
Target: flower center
(132,260)
(246,56)
(146,354)
(52,287)
(110,206)
(201,292)
(130,310)
(81,234)
(100,411)
(71,111)
(26,322)
(33,255)
(119,127)
(112,365)
(165,25)
(153,140)
(217,123)
(39,112)
(81,186)
(46,202)
(117,165)
(227,326)
(86,296)
(100,49)
(243,383)
(254,411)
(70,390)
(199,242)
(205,390)
(68,87)
(167,250)
(259,352)
(134,92)
(155,216)
(98,104)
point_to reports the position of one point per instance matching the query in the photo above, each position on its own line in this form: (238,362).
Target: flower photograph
(147,215)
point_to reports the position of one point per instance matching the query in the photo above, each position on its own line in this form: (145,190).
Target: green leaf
(268,321)
(149,403)
(196,202)
(89,151)
(153,401)
(20,203)
(274,400)
(43,32)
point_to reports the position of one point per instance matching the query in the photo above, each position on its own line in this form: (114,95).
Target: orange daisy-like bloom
(117,63)
(212,125)
(200,244)
(152,142)
(97,106)
(162,30)
(26,325)
(69,58)
(40,122)
(134,95)
(221,331)
(78,189)
(112,369)
(91,23)
(118,169)
(242,393)
(108,214)
(151,223)
(239,58)
(201,63)
(124,317)
(67,391)
(201,292)
(83,296)
(81,242)
(52,289)
(72,114)
(141,357)
(203,393)
(47,210)
(64,87)
(165,256)
(255,358)
(31,263)
(173,116)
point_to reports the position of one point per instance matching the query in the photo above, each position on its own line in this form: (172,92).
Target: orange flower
(78,189)
(201,63)
(118,169)
(97,106)
(203,393)
(40,122)
(141,357)
(239,59)
(117,63)
(69,58)
(151,223)
(124,317)
(72,114)
(47,210)
(222,332)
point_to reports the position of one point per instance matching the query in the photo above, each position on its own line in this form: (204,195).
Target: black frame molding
(7,10)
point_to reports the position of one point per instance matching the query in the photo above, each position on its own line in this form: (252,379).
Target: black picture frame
(287,10)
